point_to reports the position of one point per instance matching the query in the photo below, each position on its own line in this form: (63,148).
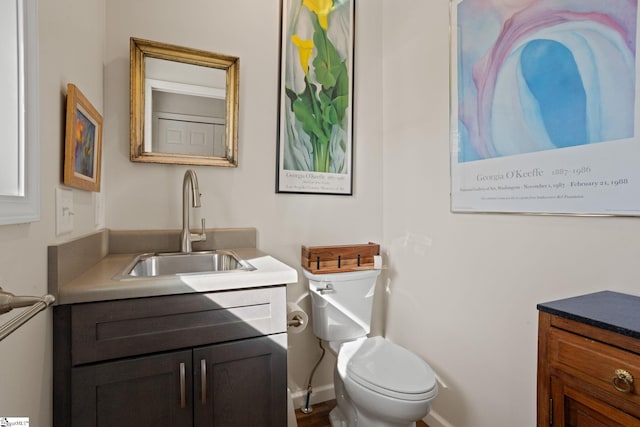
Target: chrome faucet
(186,236)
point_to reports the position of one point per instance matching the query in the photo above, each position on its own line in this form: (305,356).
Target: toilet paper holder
(295,321)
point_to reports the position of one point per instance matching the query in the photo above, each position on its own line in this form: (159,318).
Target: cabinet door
(145,391)
(575,405)
(241,383)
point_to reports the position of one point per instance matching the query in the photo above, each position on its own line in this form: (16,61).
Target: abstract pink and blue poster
(544,106)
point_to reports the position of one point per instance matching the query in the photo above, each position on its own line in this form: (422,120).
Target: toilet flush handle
(328,288)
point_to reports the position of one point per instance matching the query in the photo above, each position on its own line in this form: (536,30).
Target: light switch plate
(64,211)
(98,203)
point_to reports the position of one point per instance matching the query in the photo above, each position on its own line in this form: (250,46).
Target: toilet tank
(341,303)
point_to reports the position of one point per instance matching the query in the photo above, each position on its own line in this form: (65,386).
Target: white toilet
(377,383)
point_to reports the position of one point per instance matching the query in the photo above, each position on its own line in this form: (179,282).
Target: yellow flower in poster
(305,48)
(322,8)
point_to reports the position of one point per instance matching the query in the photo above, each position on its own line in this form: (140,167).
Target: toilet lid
(391,370)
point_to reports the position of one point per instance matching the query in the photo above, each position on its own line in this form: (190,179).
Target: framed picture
(544,107)
(315,137)
(83,142)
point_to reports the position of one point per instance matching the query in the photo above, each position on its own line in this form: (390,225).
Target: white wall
(148,196)
(71,38)
(464,287)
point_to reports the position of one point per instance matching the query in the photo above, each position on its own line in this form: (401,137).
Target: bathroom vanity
(589,361)
(191,350)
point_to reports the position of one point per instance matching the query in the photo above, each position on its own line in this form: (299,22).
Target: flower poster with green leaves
(316,102)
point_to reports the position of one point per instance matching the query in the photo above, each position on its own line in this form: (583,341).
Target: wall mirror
(19,121)
(184,105)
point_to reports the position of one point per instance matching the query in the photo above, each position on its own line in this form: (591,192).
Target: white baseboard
(326,392)
(433,419)
(318,394)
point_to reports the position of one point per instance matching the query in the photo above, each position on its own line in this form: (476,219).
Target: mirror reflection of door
(187,108)
(187,124)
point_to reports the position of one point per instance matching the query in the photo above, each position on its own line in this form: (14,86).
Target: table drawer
(123,328)
(595,363)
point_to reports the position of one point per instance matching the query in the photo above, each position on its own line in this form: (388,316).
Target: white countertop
(101,283)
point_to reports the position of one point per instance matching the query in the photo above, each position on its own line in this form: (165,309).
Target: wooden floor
(320,416)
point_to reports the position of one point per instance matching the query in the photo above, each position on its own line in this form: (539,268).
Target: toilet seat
(388,369)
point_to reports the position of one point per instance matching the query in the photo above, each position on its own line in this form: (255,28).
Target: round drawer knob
(622,381)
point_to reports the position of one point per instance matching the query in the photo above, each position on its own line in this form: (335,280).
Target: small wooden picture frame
(83,142)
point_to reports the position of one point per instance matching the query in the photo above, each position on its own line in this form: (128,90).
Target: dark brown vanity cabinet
(589,361)
(212,359)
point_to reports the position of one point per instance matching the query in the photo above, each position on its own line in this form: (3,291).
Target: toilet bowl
(377,383)
(388,384)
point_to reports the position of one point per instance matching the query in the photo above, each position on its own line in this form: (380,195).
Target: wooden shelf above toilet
(339,259)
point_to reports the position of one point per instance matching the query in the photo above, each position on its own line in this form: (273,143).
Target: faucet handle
(198,237)
(202,236)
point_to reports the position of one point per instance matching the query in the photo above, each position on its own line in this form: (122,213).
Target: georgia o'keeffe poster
(544,106)
(316,99)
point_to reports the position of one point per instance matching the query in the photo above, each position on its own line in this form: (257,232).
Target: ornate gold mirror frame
(141,146)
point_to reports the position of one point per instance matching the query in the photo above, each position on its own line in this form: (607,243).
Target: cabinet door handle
(622,381)
(183,388)
(203,381)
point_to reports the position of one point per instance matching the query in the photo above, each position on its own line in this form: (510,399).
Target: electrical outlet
(64,211)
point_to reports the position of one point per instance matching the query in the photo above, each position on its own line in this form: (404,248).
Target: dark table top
(608,310)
